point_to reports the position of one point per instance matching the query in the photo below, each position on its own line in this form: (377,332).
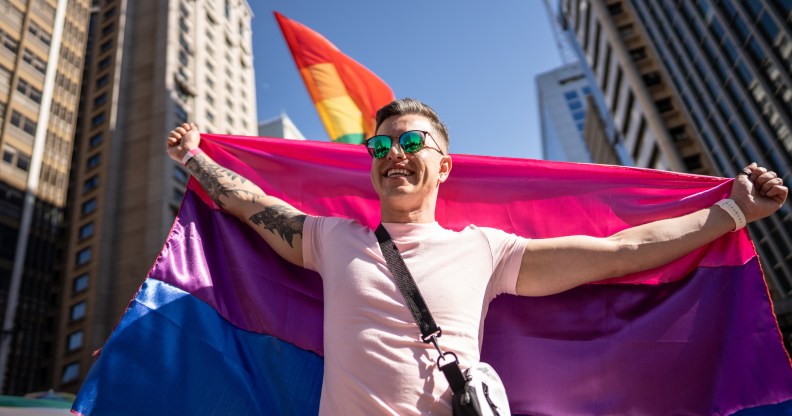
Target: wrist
(190,154)
(734,211)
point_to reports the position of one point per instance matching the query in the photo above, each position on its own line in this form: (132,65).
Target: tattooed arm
(279,223)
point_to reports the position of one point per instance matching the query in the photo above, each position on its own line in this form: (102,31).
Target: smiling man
(374,362)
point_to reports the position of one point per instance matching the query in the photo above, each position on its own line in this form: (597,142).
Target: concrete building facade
(151,65)
(42,43)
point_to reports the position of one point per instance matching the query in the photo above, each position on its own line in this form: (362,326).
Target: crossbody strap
(420,312)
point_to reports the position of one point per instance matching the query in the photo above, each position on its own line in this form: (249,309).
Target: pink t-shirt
(374,361)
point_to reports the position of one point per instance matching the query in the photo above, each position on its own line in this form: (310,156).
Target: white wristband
(191,154)
(734,211)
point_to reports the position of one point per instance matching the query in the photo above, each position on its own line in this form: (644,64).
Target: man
(374,362)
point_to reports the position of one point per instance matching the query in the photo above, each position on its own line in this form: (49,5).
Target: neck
(389,214)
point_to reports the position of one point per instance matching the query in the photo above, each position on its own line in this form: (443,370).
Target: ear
(445,169)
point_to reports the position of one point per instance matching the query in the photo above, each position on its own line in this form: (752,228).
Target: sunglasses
(412,141)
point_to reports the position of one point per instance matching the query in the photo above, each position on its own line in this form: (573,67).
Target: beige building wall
(42,44)
(155,65)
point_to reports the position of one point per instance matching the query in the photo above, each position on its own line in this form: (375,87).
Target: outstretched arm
(554,265)
(280,224)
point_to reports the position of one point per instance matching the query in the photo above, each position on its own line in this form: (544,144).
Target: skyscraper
(151,65)
(721,69)
(41,57)
(562,106)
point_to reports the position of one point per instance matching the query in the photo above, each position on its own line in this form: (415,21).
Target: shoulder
(322,224)
(489,233)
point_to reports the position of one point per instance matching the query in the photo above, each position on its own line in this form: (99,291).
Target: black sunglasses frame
(399,141)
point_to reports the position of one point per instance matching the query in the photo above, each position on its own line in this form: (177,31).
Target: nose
(396,152)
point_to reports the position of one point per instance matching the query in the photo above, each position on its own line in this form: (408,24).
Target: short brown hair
(406,106)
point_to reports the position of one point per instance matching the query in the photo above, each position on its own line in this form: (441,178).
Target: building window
(664,105)
(106,46)
(183,58)
(27,125)
(90,183)
(84,256)
(181,114)
(10,43)
(31,59)
(74,341)
(77,311)
(39,33)
(652,78)
(93,161)
(80,283)
(8,155)
(626,31)
(86,230)
(95,140)
(16,158)
(71,372)
(101,99)
(98,119)
(227,9)
(104,63)
(102,81)
(108,29)
(88,206)
(29,91)
(638,54)
(180,175)
(615,8)
(693,162)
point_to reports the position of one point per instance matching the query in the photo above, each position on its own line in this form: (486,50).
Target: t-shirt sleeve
(507,253)
(315,231)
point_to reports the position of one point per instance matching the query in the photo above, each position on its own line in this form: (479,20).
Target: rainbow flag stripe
(223,326)
(345,93)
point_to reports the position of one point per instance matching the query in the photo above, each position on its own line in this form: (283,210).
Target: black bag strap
(420,312)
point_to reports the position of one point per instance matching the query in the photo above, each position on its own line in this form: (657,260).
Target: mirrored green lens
(379,146)
(411,141)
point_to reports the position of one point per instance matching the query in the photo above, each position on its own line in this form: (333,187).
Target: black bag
(479,391)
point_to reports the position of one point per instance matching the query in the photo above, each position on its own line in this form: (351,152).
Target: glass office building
(728,64)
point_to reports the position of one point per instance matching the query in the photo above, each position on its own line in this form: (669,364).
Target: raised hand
(758,192)
(181,140)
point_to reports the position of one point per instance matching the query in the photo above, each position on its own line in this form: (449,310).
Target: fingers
(769,185)
(176,135)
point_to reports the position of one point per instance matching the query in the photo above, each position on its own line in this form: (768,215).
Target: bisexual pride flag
(222,326)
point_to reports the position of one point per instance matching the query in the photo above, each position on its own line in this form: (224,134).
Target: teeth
(395,172)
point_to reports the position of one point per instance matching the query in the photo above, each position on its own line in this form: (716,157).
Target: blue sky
(474,63)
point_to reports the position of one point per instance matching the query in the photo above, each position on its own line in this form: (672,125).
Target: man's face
(409,179)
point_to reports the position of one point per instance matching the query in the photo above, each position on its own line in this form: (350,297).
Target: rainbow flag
(223,326)
(346,94)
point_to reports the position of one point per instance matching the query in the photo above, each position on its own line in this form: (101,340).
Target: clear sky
(474,62)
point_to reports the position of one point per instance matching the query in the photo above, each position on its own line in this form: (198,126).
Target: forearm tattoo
(219,181)
(280,219)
